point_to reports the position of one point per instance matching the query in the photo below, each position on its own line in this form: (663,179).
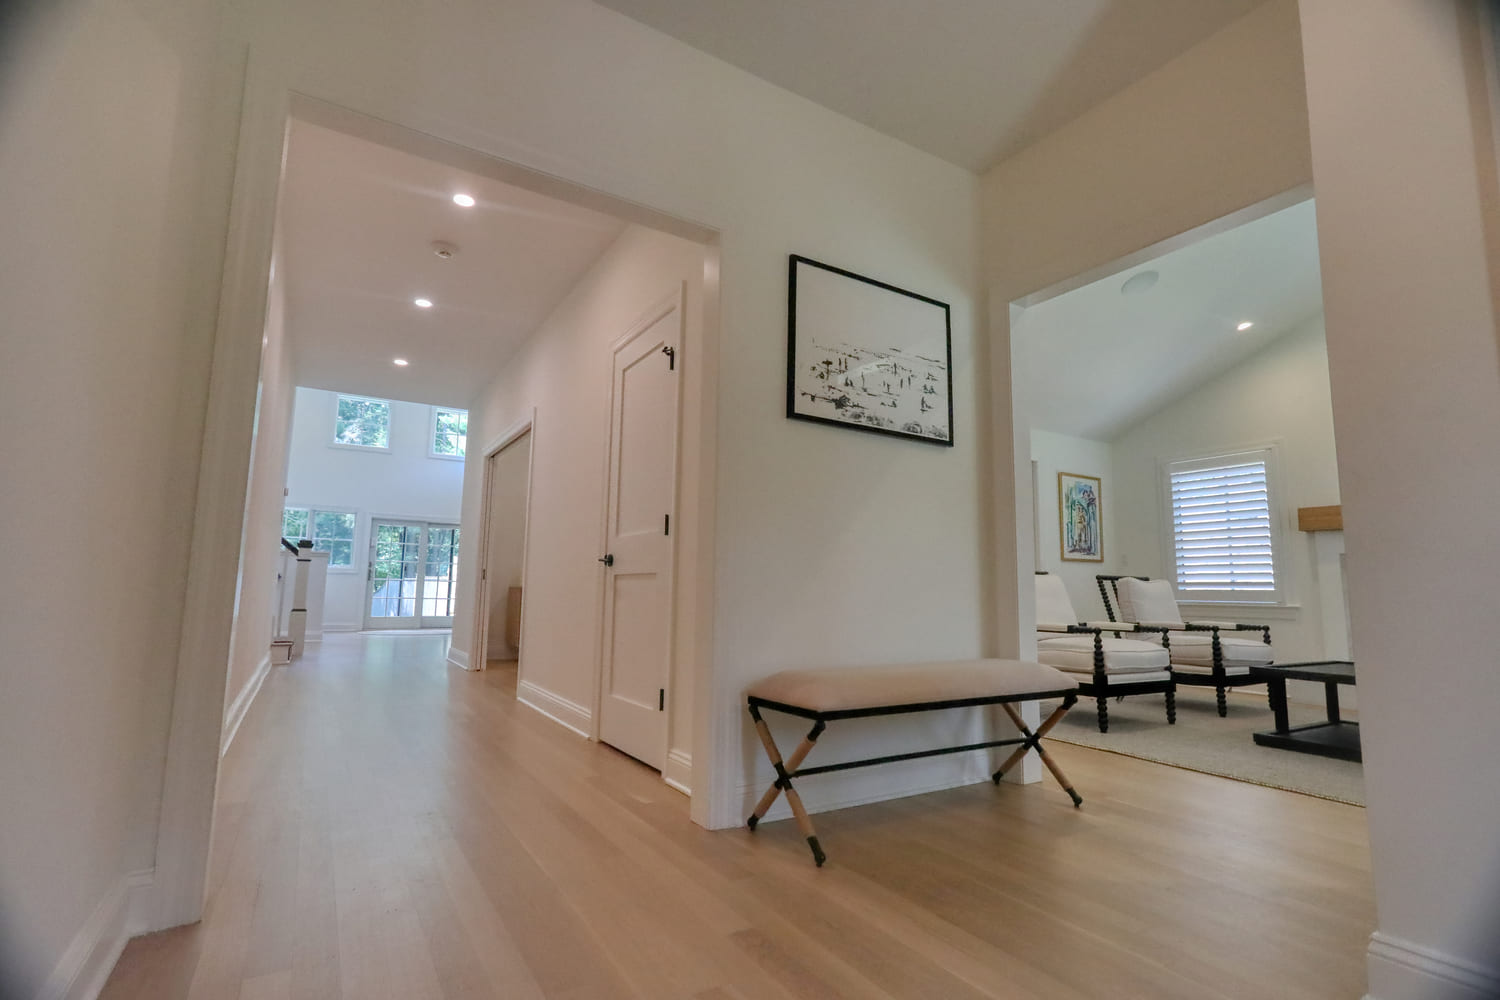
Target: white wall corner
(90,957)
(555,707)
(679,771)
(1404,970)
(241,704)
(139,889)
(460,659)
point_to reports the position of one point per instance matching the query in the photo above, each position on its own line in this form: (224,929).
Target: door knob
(609,559)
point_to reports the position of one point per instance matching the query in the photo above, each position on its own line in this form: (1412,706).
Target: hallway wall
(816,527)
(108,277)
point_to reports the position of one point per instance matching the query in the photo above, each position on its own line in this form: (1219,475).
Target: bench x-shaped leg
(1034,742)
(783,782)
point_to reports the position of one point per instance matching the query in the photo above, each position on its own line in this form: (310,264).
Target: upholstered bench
(831,694)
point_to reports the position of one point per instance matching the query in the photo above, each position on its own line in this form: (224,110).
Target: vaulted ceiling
(1094,361)
(970,81)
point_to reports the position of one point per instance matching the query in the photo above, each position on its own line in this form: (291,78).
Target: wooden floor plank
(389,826)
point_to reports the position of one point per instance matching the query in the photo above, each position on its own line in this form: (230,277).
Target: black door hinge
(671,353)
(666,524)
(661,700)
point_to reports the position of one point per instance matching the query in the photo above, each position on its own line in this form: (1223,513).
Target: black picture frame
(867,358)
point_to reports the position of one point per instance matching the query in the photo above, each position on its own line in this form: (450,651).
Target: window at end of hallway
(362,423)
(450,432)
(330,531)
(1223,532)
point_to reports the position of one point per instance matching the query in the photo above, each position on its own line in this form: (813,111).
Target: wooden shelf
(1329,518)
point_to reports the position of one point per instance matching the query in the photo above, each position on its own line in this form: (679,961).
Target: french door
(413,568)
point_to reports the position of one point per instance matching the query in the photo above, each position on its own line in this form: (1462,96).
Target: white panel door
(638,541)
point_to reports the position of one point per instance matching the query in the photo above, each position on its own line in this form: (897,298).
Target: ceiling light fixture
(1139,282)
(400,362)
(1244,326)
(422,303)
(464,200)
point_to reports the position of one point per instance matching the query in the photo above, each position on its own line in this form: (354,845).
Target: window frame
(432,422)
(312,512)
(1268,453)
(390,419)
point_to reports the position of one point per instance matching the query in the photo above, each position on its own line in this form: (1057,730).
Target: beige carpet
(1201,741)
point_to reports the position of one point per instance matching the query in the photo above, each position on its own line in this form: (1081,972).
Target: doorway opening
(1174,416)
(506,502)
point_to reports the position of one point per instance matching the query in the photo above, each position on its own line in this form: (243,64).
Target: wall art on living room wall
(1079,514)
(867,355)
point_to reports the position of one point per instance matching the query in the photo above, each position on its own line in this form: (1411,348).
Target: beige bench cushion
(1076,652)
(841,689)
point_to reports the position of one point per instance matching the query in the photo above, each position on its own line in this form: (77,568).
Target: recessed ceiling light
(422,303)
(400,362)
(464,200)
(1138,283)
(1244,326)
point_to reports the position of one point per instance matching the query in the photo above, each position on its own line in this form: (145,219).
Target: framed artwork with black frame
(867,355)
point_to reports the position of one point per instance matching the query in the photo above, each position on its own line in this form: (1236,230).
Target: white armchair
(1105,663)
(1201,652)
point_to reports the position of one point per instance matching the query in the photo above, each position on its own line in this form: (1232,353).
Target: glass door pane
(439,573)
(395,575)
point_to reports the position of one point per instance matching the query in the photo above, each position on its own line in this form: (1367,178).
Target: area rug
(1201,741)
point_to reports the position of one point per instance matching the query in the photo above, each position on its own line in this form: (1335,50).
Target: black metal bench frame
(792,766)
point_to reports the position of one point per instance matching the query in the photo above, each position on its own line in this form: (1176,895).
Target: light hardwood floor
(390,826)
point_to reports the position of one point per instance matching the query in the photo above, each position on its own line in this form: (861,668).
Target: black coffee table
(1334,738)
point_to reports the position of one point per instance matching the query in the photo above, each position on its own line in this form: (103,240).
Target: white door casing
(636,646)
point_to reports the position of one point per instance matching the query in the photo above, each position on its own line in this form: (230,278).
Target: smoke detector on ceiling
(444,249)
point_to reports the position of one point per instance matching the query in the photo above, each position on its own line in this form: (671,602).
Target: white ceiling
(358,225)
(1094,361)
(971,81)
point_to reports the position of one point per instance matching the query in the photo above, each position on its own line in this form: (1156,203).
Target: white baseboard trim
(341,627)
(921,777)
(679,771)
(555,707)
(459,659)
(241,704)
(91,956)
(1400,969)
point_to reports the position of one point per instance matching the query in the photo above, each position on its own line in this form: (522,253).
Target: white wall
(562,374)
(404,482)
(631,112)
(507,525)
(260,549)
(104,266)
(1277,396)
(1409,229)
(1054,453)
(1217,131)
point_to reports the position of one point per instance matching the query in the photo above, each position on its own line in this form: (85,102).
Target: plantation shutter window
(1223,535)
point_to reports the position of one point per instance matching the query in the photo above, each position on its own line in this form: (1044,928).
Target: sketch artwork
(868,355)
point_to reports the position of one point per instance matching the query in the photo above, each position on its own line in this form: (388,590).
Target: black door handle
(609,559)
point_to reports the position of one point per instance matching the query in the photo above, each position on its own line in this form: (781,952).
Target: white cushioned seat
(1240,653)
(1124,679)
(1121,656)
(841,689)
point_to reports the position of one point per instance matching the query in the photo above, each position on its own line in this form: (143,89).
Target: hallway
(390,826)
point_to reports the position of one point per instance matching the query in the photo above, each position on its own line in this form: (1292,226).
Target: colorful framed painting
(866,355)
(1080,518)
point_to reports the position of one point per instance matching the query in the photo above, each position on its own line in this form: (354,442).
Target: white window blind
(1222,532)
